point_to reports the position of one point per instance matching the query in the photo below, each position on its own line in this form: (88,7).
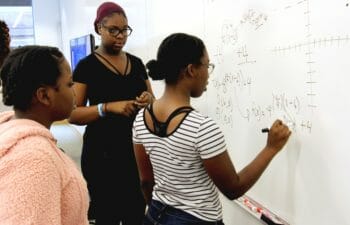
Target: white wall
(47,22)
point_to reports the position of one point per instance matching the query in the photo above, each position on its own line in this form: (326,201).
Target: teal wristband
(100,110)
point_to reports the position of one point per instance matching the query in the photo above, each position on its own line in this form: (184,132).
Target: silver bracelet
(100,110)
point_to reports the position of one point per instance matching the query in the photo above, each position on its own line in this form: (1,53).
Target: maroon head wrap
(106,9)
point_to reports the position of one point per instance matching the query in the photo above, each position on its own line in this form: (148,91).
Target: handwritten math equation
(236,79)
(233,85)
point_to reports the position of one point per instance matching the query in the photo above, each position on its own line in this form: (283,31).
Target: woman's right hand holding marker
(277,136)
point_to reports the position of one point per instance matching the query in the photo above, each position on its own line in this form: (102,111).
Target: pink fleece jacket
(39,184)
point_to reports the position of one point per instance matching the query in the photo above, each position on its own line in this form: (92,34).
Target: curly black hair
(4,41)
(25,70)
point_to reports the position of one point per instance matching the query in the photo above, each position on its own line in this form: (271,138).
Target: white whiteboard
(276,59)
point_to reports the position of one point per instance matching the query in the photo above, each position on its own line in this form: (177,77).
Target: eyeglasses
(210,66)
(114,31)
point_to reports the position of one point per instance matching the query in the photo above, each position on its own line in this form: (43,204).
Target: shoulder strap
(178,111)
(127,65)
(160,128)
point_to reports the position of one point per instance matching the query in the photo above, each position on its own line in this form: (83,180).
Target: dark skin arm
(145,172)
(232,184)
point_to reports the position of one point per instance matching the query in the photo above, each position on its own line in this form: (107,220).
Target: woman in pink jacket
(39,184)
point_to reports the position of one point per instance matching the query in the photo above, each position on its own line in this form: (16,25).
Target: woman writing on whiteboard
(114,83)
(181,154)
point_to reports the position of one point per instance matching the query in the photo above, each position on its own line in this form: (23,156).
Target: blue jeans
(161,214)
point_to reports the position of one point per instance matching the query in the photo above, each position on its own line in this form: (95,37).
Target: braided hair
(25,70)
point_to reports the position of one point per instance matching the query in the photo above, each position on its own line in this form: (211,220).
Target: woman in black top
(110,86)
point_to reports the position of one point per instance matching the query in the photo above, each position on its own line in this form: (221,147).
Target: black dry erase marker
(265,130)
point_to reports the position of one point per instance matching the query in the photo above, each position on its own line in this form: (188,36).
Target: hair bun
(154,70)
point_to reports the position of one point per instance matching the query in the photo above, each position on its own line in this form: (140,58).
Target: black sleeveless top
(160,128)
